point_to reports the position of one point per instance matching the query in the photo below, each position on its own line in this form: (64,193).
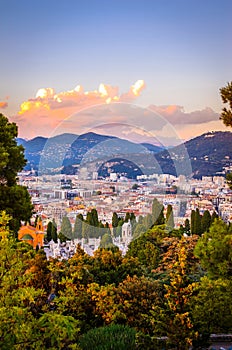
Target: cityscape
(116,175)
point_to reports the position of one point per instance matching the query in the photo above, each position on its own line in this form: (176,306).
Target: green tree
(187,227)
(214,250)
(54,231)
(148,221)
(212,307)
(205,221)
(127,217)
(226,96)
(119,227)
(115,221)
(86,230)
(139,230)
(26,322)
(49,231)
(117,337)
(177,320)
(131,302)
(169,217)
(92,218)
(198,229)
(157,213)
(106,241)
(133,222)
(193,222)
(66,228)
(92,222)
(77,230)
(14,199)
(214,216)
(146,247)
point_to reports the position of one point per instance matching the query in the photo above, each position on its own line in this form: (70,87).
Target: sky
(79,65)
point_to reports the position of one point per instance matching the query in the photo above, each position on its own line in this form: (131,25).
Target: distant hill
(207,154)
(152,148)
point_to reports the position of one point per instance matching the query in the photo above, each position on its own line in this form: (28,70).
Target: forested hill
(209,153)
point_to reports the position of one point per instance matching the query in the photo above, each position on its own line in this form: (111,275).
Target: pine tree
(14,199)
(226,95)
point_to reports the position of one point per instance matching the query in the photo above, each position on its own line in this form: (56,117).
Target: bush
(113,337)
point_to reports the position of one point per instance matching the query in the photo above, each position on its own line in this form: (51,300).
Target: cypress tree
(77,230)
(169,217)
(49,231)
(198,222)
(66,228)
(106,241)
(206,221)
(95,221)
(54,231)
(193,227)
(148,221)
(115,221)
(157,213)
(213,217)
(127,217)
(187,228)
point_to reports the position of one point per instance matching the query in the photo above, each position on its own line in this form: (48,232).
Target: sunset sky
(72,66)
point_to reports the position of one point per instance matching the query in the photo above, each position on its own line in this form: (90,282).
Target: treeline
(167,292)
(92,227)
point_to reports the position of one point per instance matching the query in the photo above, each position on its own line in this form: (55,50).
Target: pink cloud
(176,115)
(3,104)
(48,109)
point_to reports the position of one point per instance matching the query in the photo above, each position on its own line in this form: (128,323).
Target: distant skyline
(166,56)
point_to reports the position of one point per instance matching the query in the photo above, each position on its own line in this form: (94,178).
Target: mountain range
(205,155)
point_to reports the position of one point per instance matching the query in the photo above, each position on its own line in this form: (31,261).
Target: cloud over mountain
(44,113)
(176,115)
(46,99)
(50,113)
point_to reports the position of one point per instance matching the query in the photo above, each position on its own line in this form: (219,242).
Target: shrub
(113,337)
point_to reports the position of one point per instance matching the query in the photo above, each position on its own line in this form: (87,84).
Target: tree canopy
(14,199)
(165,286)
(226,95)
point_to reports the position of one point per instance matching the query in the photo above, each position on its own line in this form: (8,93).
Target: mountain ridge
(209,153)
